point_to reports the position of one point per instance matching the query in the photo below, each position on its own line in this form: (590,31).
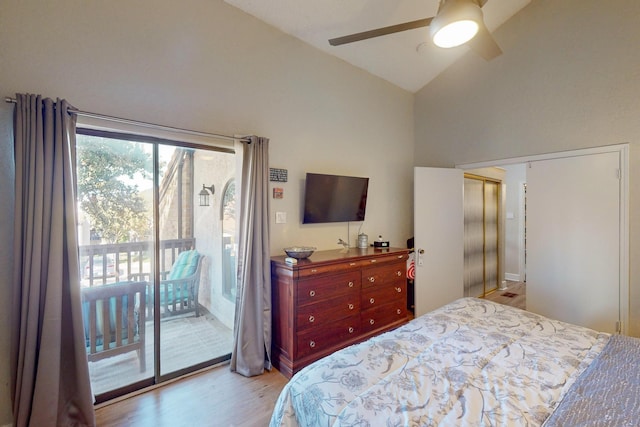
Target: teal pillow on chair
(178,293)
(185,265)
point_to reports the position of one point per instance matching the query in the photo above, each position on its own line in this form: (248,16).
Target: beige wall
(569,78)
(203,65)
(207,66)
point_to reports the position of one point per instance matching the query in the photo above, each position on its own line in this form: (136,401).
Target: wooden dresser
(333,299)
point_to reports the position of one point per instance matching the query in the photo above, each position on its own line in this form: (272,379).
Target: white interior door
(573,239)
(439,237)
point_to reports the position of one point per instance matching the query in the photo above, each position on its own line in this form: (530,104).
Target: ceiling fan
(457,22)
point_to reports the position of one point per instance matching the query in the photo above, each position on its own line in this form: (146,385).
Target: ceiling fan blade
(380,32)
(484,44)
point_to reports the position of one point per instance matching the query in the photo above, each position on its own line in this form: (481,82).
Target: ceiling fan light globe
(455,34)
(457,22)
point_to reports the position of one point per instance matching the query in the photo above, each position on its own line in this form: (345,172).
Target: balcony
(186,339)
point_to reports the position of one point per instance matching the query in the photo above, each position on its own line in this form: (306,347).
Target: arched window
(229,243)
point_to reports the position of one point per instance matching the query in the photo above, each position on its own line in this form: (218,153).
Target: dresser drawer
(386,259)
(317,289)
(375,276)
(334,333)
(329,269)
(380,295)
(326,311)
(383,315)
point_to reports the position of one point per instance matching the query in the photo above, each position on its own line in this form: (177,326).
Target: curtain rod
(145,124)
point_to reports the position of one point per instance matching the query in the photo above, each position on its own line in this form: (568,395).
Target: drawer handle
(312,319)
(312,344)
(350,329)
(398,273)
(312,293)
(352,264)
(372,279)
(351,284)
(314,270)
(399,311)
(400,256)
(373,260)
(399,290)
(372,300)
(371,321)
(350,306)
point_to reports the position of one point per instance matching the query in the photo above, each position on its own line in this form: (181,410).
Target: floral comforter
(471,362)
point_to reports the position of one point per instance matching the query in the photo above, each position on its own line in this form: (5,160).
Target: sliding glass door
(157,242)
(195,320)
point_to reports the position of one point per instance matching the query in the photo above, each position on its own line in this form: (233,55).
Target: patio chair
(178,287)
(112,320)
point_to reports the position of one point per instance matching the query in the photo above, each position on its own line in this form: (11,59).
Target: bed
(472,362)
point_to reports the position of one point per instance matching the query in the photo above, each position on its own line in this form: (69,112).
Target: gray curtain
(251,351)
(50,376)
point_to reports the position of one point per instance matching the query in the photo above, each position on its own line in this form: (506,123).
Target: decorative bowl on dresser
(300,252)
(334,299)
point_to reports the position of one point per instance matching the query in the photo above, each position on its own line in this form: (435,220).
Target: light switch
(281,217)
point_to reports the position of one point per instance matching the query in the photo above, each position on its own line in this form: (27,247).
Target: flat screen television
(334,198)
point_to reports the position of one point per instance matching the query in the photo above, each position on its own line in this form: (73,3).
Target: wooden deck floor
(184,341)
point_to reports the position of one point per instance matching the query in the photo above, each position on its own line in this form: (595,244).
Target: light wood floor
(218,397)
(514,295)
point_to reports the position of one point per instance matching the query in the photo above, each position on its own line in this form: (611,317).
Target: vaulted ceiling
(407,59)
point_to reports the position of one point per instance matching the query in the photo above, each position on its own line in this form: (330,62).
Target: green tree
(109,174)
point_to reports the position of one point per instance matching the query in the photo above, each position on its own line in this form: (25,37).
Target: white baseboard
(512,277)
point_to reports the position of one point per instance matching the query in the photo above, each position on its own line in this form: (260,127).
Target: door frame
(522,238)
(155,139)
(623,150)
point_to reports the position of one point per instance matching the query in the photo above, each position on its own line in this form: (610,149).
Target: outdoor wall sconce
(204,194)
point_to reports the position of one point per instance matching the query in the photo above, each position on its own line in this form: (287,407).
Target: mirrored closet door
(481,235)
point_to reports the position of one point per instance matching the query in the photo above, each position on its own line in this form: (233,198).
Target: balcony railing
(114,262)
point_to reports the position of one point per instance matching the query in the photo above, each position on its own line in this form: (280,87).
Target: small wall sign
(278,193)
(278,175)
